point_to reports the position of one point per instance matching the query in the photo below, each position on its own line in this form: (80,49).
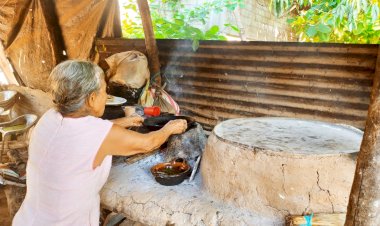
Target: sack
(147,96)
(128,68)
(165,102)
(153,96)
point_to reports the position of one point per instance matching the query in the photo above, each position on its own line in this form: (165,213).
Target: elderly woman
(71,149)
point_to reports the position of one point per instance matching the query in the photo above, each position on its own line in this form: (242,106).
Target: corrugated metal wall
(222,80)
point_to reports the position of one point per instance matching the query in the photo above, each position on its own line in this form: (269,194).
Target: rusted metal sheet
(222,80)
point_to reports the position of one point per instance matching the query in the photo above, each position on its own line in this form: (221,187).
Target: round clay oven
(279,166)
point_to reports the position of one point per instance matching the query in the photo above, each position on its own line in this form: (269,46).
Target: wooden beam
(376,79)
(14,144)
(33,101)
(150,41)
(109,25)
(5,66)
(54,30)
(364,203)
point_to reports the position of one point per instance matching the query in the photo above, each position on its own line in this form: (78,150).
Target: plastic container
(152,111)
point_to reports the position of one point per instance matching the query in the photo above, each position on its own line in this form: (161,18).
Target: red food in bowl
(171,173)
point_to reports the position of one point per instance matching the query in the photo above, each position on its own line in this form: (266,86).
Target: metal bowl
(7,99)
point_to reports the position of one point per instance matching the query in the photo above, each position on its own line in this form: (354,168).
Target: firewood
(333,219)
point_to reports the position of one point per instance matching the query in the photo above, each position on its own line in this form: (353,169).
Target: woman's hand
(135,121)
(177,126)
(129,121)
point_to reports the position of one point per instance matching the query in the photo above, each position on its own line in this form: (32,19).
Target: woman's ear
(91,100)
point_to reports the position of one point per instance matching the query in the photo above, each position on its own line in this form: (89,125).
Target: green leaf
(324,37)
(323,28)
(179,22)
(231,7)
(311,31)
(195,45)
(232,27)
(130,6)
(213,30)
(359,30)
(235,28)
(221,37)
(290,20)
(171,19)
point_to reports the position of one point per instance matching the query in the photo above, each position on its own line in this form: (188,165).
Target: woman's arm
(120,141)
(128,121)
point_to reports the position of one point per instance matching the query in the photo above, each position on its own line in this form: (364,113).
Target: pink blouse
(62,187)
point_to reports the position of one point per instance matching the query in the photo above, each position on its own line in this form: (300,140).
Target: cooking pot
(156,123)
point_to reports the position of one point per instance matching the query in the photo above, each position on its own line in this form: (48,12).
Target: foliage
(347,21)
(173,20)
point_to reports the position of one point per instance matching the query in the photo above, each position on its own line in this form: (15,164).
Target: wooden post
(54,30)
(150,41)
(364,203)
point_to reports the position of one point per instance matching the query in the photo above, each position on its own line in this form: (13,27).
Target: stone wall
(259,24)
(254,19)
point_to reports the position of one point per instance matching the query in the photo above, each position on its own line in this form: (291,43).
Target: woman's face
(98,102)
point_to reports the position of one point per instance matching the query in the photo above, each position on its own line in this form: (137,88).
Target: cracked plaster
(132,190)
(290,166)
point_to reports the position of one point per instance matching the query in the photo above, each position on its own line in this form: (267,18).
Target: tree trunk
(150,41)
(364,203)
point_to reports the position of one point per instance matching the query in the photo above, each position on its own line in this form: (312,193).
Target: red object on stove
(152,111)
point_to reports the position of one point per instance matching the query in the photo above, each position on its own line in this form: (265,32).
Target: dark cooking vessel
(156,123)
(171,173)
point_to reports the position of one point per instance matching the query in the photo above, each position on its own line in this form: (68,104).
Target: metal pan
(156,123)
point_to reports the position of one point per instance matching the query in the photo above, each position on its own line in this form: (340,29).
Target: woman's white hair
(72,82)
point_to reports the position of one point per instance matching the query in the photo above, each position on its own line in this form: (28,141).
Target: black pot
(171,173)
(156,123)
(130,94)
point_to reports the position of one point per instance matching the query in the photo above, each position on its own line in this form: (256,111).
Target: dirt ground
(4,214)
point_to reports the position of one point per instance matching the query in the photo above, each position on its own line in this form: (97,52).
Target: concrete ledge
(132,190)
